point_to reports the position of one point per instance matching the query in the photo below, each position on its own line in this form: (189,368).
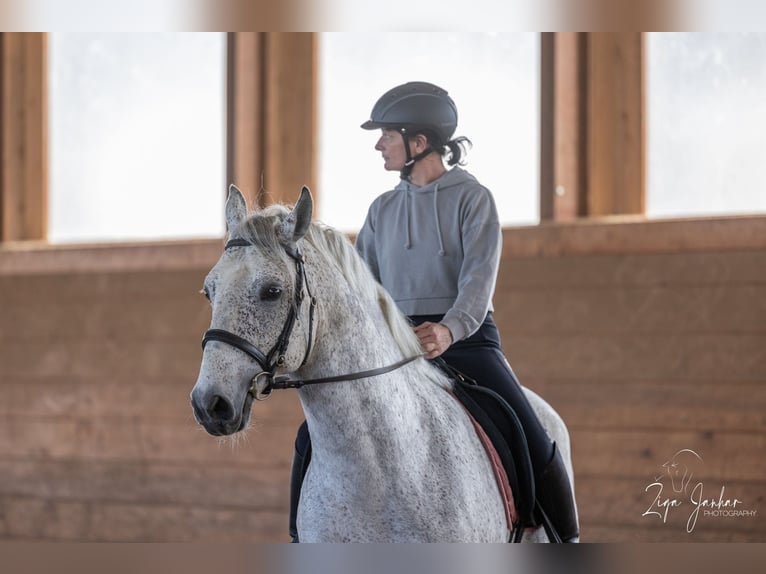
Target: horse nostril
(220,409)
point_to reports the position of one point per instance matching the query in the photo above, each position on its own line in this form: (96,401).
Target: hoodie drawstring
(408,241)
(438,223)
(408,219)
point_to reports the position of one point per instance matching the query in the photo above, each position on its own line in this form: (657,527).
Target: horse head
(255,295)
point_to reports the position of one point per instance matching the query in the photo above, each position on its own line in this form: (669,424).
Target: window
(494,80)
(137,136)
(706,124)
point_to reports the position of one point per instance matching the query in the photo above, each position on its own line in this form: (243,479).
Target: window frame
(270,117)
(23,137)
(272,120)
(592,125)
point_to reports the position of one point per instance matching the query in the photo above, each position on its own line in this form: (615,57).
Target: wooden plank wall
(644,346)
(97,438)
(647,339)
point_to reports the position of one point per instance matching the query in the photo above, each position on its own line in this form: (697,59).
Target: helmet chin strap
(406,171)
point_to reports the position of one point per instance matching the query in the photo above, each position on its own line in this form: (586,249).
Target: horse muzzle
(217,415)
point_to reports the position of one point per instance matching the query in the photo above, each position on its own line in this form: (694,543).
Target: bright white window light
(706,125)
(137,136)
(494,79)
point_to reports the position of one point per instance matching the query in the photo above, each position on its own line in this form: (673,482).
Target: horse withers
(395,457)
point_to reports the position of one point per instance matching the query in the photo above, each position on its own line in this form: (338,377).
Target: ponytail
(453,151)
(458,148)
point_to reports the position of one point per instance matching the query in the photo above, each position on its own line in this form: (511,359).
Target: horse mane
(260,229)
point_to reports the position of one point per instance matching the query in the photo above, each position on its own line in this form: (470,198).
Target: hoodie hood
(451,178)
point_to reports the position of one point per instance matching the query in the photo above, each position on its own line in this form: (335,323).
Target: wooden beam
(624,234)
(563,163)
(272,114)
(616,235)
(571,167)
(244,134)
(23,136)
(290,118)
(615,131)
(547,127)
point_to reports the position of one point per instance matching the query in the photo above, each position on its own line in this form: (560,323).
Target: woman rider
(434,243)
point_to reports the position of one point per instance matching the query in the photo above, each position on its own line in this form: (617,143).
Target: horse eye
(271,293)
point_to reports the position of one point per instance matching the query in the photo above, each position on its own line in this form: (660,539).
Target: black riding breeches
(481,358)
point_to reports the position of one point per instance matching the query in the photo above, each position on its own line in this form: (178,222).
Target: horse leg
(554,495)
(301,459)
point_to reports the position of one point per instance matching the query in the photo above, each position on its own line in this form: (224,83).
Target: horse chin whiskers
(252,426)
(244,434)
(226,440)
(237,438)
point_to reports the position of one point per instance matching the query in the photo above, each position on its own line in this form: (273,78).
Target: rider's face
(391,146)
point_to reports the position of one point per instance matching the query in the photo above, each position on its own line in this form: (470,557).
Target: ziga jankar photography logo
(678,490)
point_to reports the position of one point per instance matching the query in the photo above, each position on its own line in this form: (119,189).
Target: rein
(286,382)
(266,381)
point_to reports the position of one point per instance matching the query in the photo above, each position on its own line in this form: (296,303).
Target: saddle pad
(501,477)
(506,434)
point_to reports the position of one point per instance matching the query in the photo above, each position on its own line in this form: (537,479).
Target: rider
(434,243)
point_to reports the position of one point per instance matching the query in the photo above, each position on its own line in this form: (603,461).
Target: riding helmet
(415,106)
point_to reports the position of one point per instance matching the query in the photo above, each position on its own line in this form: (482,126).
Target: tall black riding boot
(556,499)
(296,481)
(301,459)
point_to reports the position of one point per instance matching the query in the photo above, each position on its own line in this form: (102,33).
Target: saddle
(501,424)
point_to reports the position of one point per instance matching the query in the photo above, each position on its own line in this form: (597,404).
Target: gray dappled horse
(394,456)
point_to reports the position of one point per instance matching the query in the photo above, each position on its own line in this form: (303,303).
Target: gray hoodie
(436,249)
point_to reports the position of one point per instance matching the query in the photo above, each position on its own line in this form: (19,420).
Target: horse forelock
(332,248)
(260,229)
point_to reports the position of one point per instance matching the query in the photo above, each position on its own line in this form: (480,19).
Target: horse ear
(297,222)
(236,208)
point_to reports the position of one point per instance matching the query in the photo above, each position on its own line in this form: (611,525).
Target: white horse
(395,458)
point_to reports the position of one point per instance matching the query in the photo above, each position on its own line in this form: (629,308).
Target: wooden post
(547,127)
(616,138)
(592,125)
(244,110)
(563,176)
(272,114)
(290,118)
(23,136)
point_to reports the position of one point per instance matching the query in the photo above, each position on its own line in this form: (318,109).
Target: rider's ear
(297,222)
(236,208)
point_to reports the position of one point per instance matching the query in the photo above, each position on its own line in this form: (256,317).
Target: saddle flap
(502,426)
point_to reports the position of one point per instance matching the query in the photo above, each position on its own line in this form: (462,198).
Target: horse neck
(351,331)
(353,337)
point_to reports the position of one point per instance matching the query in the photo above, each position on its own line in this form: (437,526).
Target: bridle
(266,381)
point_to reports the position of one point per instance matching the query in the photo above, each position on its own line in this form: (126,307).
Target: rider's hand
(435,338)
